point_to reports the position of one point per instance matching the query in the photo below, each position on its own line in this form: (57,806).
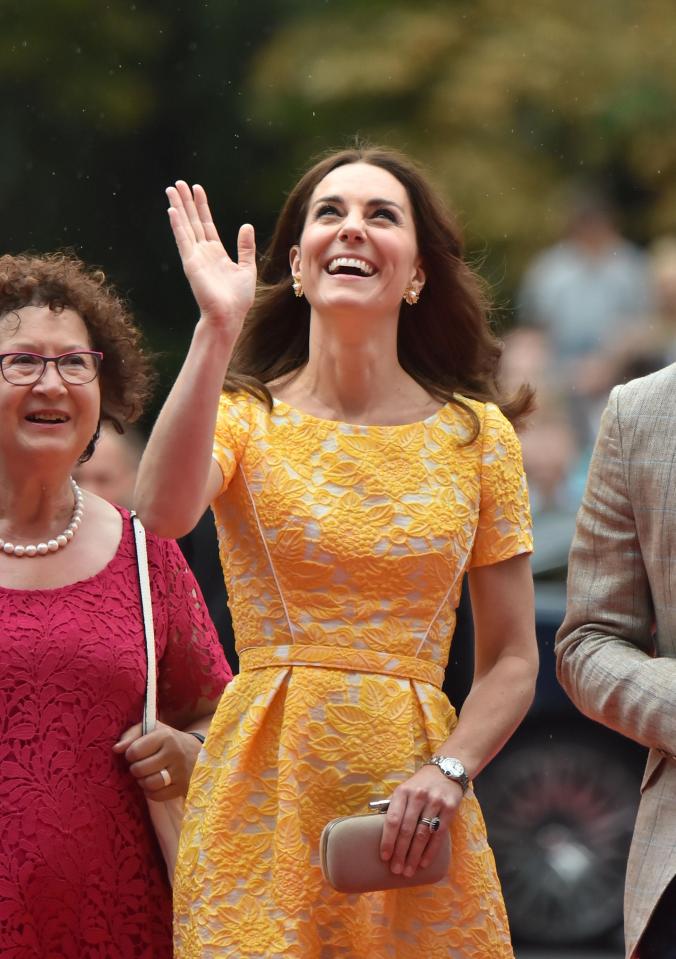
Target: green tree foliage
(503,103)
(103,104)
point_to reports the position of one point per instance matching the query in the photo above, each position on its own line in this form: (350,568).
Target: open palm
(224,289)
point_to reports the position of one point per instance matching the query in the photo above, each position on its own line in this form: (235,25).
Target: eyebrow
(376,201)
(21,347)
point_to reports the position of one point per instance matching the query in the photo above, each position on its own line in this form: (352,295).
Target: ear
(294,259)
(419,278)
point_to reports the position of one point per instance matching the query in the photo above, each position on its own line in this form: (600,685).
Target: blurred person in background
(81,873)
(111,470)
(616,649)
(663,274)
(589,292)
(359,458)
(552,457)
(654,343)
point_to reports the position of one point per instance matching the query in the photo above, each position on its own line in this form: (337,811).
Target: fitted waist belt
(339,657)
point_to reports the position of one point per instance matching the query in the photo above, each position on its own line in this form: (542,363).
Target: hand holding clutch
(350,855)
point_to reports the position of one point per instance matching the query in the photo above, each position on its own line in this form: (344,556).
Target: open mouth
(47,418)
(349,266)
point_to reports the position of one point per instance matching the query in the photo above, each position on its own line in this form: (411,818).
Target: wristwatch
(452,769)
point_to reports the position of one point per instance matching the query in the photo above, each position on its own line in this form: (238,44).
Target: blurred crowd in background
(592,310)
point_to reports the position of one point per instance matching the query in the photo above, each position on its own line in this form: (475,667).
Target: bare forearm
(176,480)
(497,703)
(170,493)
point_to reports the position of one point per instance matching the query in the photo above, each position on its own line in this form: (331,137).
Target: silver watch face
(452,767)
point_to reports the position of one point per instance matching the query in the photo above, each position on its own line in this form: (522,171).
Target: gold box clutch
(350,857)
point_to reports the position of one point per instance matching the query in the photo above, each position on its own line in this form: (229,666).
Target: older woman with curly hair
(81,874)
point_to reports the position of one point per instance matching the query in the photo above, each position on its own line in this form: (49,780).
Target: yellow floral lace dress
(343,548)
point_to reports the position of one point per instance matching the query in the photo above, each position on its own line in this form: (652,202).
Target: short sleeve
(504,527)
(191,662)
(232,432)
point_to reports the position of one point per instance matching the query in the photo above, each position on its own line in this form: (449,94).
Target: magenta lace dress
(81,876)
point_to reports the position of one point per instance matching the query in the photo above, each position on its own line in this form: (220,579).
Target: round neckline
(280,404)
(126,530)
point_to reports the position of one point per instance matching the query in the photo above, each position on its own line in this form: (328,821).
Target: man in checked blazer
(616,649)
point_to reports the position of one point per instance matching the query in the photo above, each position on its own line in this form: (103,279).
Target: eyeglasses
(25,369)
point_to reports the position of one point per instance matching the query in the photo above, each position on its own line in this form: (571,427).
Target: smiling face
(358,249)
(50,419)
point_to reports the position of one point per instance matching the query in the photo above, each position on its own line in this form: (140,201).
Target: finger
(246,246)
(392,820)
(185,193)
(180,224)
(179,196)
(149,765)
(128,737)
(204,213)
(183,242)
(431,849)
(407,833)
(155,782)
(176,203)
(420,843)
(145,747)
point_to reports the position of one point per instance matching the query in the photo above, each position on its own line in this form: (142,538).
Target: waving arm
(177,477)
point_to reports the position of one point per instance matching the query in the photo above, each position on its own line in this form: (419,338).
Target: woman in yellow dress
(359,461)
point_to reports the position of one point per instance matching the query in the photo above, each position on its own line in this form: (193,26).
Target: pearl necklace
(52,545)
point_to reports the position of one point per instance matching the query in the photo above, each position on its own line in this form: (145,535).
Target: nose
(51,380)
(352,227)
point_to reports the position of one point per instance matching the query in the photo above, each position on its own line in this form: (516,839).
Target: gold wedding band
(166,778)
(432,823)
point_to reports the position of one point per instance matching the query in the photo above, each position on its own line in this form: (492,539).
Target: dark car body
(560,799)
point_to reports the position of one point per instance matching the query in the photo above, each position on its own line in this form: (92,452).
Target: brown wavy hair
(62,281)
(444,342)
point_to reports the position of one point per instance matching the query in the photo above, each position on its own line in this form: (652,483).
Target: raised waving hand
(224,289)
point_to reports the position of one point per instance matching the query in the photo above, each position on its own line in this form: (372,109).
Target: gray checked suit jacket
(616,650)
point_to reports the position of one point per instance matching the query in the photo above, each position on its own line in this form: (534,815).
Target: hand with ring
(420,809)
(166,777)
(161,761)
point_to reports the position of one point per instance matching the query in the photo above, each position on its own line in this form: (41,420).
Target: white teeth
(348,261)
